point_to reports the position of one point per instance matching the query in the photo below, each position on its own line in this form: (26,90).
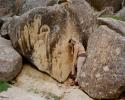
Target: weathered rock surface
(26,5)
(76,94)
(103,75)
(3,21)
(34,81)
(42,35)
(86,18)
(117,25)
(101,4)
(121,13)
(15,93)
(18,7)
(10,61)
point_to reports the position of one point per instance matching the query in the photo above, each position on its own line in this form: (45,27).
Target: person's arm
(74,59)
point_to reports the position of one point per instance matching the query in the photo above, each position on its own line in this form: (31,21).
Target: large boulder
(41,35)
(85,18)
(10,61)
(15,93)
(115,24)
(101,4)
(103,74)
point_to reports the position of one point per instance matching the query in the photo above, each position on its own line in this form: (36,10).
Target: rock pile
(39,31)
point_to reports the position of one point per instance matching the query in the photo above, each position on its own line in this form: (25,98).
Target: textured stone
(15,93)
(41,35)
(117,25)
(34,81)
(121,13)
(18,7)
(26,5)
(7,7)
(85,17)
(101,4)
(103,75)
(10,61)
(76,94)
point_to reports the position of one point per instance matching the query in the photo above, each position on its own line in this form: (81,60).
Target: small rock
(121,13)
(34,81)
(10,61)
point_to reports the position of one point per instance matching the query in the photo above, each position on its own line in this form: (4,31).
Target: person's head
(72,42)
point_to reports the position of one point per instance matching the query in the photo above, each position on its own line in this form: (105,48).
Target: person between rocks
(79,57)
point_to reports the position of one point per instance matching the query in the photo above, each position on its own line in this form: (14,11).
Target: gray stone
(76,94)
(3,21)
(121,13)
(18,7)
(7,7)
(103,74)
(85,18)
(117,25)
(15,93)
(10,61)
(26,5)
(33,80)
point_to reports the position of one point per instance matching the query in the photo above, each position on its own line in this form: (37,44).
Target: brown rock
(101,4)
(103,75)
(10,61)
(42,35)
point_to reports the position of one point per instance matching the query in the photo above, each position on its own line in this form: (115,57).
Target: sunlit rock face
(41,35)
(103,74)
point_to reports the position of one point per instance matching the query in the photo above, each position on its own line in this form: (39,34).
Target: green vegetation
(4,86)
(55,97)
(114,17)
(35,90)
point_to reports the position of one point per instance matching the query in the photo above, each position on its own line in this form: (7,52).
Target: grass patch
(4,86)
(55,97)
(114,17)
